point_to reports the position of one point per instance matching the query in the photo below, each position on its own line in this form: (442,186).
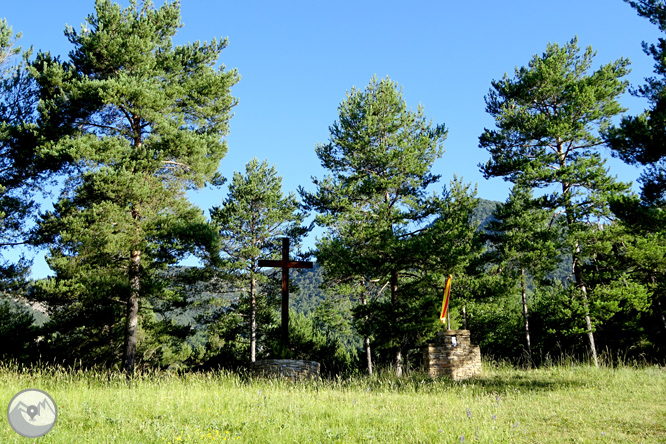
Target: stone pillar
(452,354)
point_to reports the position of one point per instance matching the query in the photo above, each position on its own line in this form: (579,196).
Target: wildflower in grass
(462,438)
(469,413)
(494,417)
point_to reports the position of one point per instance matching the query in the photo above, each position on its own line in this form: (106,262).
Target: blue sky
(297,59)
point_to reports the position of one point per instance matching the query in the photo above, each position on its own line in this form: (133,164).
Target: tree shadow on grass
(529,383)
(497,384)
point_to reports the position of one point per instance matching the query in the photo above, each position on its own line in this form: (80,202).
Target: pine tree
(145,122)
(375,205)
(251,222)
(548,118)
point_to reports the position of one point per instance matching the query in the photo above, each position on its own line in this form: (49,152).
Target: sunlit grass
(555,404)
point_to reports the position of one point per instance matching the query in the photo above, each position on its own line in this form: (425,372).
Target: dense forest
(572,263)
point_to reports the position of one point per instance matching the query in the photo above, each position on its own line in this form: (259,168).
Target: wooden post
(285,291)
(285,265)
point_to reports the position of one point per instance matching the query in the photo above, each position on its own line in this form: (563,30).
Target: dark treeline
(572,263)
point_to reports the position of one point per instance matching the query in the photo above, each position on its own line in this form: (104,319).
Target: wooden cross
(285,264)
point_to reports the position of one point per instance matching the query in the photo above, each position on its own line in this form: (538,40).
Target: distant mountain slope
(309,295)
(484,211)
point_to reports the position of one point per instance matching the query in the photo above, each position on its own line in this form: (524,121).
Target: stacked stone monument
(453,355)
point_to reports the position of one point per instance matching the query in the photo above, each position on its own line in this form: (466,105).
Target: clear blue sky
(298,58)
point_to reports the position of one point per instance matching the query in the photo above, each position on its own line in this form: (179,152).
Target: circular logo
(32,413)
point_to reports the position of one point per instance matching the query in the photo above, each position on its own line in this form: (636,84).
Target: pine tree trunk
(132,312)
(398,363)
(394,301)
(588,325)
(366,340)
(253,321)
(576,269)
(134,276)
(526,314)
(661,311)
(586,306)
(368,354)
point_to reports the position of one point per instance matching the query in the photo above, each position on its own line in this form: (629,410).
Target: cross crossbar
(289,264)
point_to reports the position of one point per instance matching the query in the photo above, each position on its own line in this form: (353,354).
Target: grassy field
(559,404)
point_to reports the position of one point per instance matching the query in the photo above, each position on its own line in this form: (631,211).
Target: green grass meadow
(558,404)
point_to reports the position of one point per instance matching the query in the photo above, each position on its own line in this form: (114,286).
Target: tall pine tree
(376,207)
(251,222)
(146,122)
(548,118)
